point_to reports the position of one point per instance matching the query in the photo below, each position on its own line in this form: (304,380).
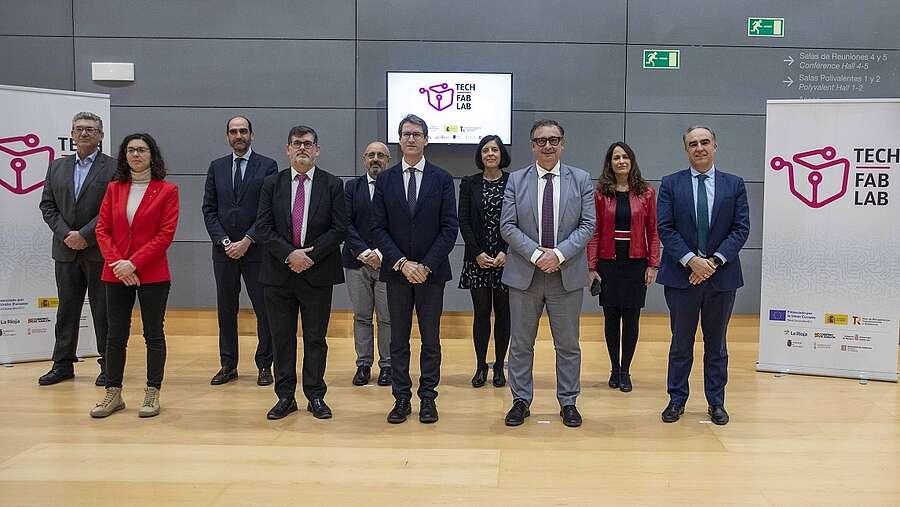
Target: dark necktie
(297,212)
(238,178)
(411,190)
(702,214)
(547,213)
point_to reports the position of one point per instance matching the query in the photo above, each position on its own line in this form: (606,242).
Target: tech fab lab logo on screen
(23,162)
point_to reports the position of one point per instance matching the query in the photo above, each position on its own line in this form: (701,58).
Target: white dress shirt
(541,184)
(307,190)
(420,167)
(371,184)
(246,157)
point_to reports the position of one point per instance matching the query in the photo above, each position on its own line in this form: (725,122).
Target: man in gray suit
(547,219)
(70,203)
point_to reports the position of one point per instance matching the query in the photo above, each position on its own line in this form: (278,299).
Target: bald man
(362,261)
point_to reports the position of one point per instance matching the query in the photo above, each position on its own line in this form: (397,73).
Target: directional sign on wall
(662,59)
(765,27)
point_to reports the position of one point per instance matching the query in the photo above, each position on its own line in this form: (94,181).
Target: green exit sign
(765,27)
(662,58)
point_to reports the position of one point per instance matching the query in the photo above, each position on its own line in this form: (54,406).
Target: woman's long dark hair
(157,165)
(607,183)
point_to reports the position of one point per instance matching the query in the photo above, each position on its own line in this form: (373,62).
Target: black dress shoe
(282,409)
(428,412)
(319,408)
(718,415)
(625,382)
(384,376)
(401,409)
(265,377)
(672,412)
(570,416)
(224,376)
(361,378)
(517,414)
(55,376)
(614,378)
(499,377)
(101,380)
(480,376)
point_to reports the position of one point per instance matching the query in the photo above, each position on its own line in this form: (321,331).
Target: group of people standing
(534,239)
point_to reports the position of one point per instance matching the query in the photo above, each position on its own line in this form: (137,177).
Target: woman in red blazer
(135,227)
(623,254)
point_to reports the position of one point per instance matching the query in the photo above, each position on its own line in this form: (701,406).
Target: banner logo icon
(19,161)
(817,184)
(440,96)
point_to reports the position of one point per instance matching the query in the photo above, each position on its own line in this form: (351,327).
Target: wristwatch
(226,242)
(716,260)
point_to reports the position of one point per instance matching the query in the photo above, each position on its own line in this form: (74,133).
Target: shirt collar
(541,171)
(90,158)
(369,178)
(309,174)
(245,156)
(420,165)
(711,173)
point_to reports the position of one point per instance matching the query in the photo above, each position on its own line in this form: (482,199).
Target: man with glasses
(73,191)
(414,225)
(547,219)
(302,221)
(703,220)
(362,263)
(230,202)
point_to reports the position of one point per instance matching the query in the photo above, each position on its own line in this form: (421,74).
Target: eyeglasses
(85,130)
(302,144)
(542,141)
(376,154)
(137,151)
(413,135)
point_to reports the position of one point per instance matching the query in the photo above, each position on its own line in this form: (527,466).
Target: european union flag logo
(777,314)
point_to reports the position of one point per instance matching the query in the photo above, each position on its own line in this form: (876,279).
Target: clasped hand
(414,272)
(298,261)
(701,269)
(126,272)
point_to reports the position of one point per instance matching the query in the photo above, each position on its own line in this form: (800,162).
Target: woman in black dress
(623,254)
(480,200)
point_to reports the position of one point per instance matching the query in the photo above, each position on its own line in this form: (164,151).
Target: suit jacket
(519,225)
(471,214)
(326,227)
(234,216)
(677,225)
(63,213)
(644,242)
(428,235)
(146,240)
(359,222)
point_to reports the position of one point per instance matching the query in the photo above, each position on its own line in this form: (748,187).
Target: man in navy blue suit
(414,226)
(703,221)
(362,263)
(233,183)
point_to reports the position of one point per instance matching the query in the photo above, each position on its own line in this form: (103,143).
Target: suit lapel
(149,196)
(687,188)
(96,167)
(565,187)
(478,195)
(531,190)
(428,182)
(68,174)
(401,190)
(718,196)
(315,196)
(283,205)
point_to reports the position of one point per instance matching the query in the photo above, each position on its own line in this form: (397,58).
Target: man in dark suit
(73,191)
(703,221)
(415,226)
(302,222)
(230,203)
(362,262)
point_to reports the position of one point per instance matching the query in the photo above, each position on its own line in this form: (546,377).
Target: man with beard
(362,261)
(302,221)
(229,210)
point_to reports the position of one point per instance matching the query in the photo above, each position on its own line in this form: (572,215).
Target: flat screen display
(459,107)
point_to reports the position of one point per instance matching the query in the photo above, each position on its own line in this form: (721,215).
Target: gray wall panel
(224,19)
(527,20)
(656,140)
(587,136)
(811,23)
(190,200)
(40,62)
(46,17)
(183,72)
(736,80)
(547,77)
(192,137)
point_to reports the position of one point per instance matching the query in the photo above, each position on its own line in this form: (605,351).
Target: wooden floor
(792,440)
